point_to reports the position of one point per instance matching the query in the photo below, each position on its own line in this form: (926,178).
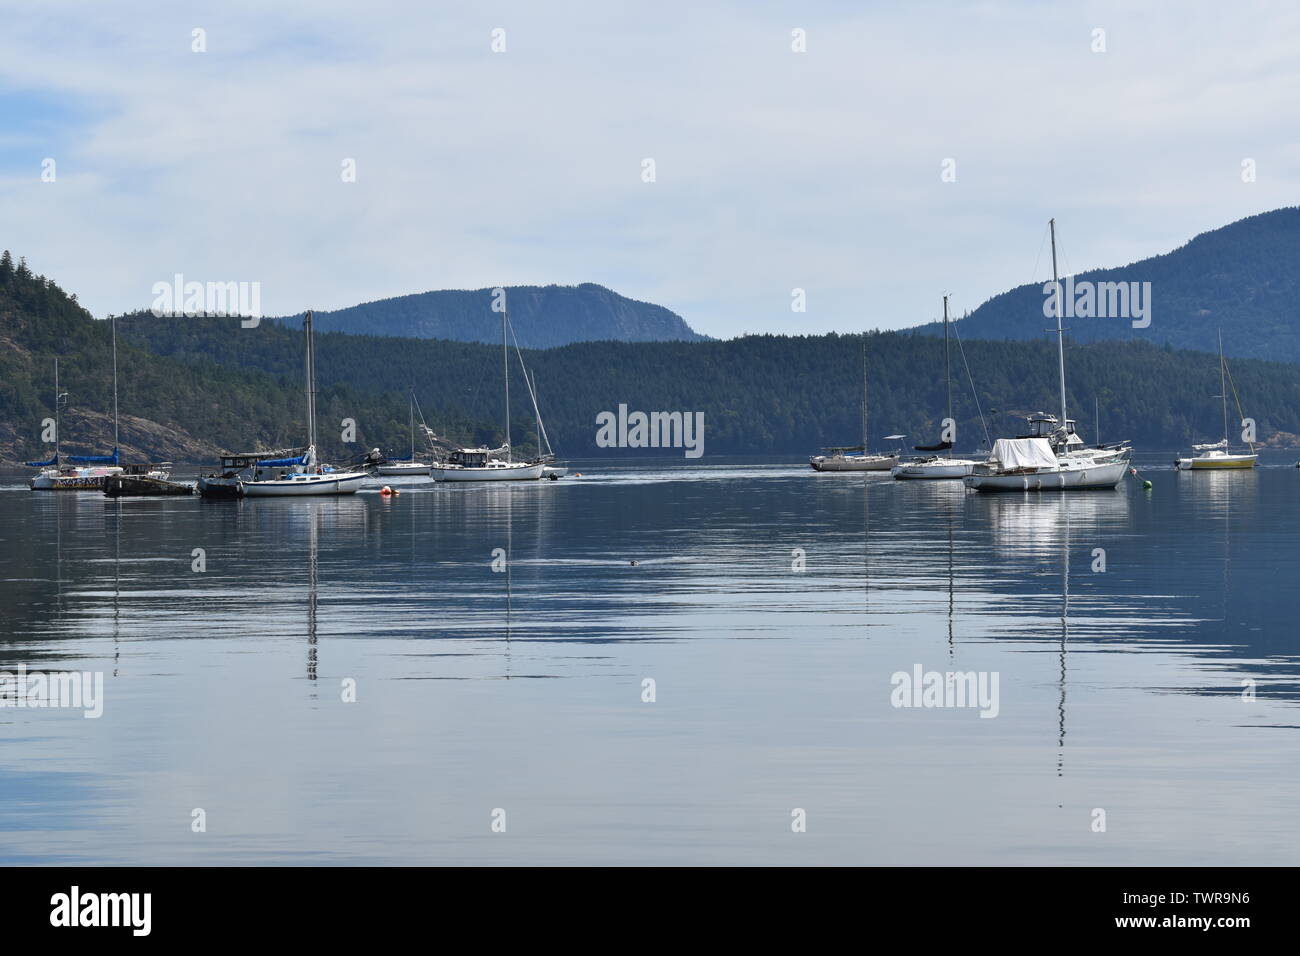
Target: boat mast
(505,372)
(531,380)
(412,423)
(947,368)
(1060,333)
(57,425)
(113,325)
(865,449)
(1223,390)
(311,388)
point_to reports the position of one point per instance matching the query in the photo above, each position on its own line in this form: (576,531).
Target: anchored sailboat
(938,466)
(1049,463)
(396,467)
(552,468)
(270,475)
(484,464)
(1216,457)
(87,472)
(842,458)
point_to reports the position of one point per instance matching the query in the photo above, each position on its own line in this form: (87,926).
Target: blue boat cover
(42,464)
(282,462)
(94,459)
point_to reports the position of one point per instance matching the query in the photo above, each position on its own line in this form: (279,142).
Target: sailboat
(263,476)
(484,464)
(551,467)
(841,458)
(937,466)
(396,467)
(1216,457)
(87,472)
(1049,463)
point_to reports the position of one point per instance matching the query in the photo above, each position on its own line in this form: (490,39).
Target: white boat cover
(1013,453)
(1218,444)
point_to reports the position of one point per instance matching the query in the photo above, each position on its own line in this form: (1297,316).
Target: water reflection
(313,573)
(770,679)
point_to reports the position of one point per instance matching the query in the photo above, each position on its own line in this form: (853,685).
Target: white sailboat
(551,467)
(484,464)
(397,468)
(87,472)
(237,468)
(937,466)
(76,473)
(1040,463)
(1066,441)
(289,477)
(842,458)
(1216,456)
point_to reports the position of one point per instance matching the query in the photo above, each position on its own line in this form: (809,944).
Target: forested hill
(542,316)
(770,394)
(170,409)
(190,387)
(1243,278)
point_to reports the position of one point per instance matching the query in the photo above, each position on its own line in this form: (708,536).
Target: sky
(910,149)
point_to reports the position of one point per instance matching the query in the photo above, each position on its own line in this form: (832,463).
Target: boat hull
(214,487)
(854,463)
(469,473)
(1079,478)
(142,486)
(90,480)
(341,483)
(399,469)
(1221,463)
(945,469)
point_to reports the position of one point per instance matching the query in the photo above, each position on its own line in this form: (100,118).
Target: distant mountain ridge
(192,387)
(542,316)
(1243,278)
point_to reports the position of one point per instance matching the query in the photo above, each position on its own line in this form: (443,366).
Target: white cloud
(775,170)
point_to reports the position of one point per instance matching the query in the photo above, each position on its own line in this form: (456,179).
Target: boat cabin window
(1044,426)
(470,459)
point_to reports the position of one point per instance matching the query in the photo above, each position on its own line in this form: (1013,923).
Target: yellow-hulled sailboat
(1218,456)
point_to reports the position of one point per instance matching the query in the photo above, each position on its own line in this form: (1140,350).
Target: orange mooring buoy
(388,492)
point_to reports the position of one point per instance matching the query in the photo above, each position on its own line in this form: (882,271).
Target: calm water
(522,689)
